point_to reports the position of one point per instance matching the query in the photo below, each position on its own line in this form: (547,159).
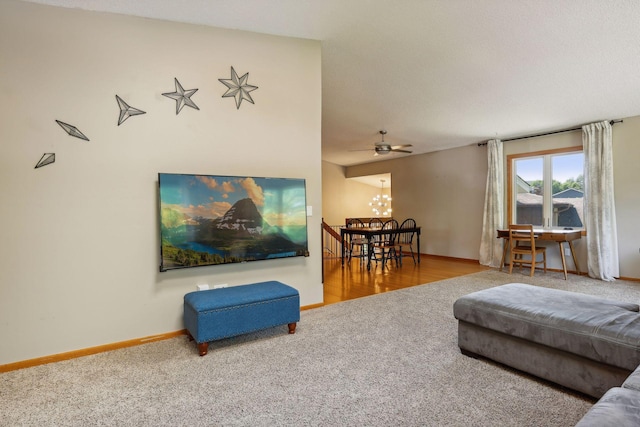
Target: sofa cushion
(619,407)
(633,380)
(599,329)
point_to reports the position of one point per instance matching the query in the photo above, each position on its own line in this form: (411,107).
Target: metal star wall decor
(72,130)
(182,97)
(238,88)
(126,111)
(46,159)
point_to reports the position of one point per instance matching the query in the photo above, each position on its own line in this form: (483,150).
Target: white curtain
(490,245)
(600,212)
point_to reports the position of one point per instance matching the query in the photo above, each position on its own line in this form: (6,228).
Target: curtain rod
(612,122)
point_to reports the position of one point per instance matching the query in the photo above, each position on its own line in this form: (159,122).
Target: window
(546,188)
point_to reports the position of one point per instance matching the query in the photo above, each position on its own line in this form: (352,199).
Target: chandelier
(381,203)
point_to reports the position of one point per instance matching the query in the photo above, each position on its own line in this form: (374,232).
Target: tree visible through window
(546,189)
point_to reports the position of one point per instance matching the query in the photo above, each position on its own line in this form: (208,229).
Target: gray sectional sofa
(582,342)
(619,407)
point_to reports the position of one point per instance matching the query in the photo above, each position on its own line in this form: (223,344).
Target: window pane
(568,190)
(529,191)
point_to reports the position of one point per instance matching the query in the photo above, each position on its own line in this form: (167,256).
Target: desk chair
(522,242)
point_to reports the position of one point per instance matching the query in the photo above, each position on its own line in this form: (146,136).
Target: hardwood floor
(354,281)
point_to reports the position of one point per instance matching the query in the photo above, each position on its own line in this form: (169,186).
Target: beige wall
(626,156)
(80,239)
(346,198)
(444,192)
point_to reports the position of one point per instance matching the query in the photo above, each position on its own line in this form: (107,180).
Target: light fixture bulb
(380,201)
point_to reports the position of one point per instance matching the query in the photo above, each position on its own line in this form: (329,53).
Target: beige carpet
(385,360)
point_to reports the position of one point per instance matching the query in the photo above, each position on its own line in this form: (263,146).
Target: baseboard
(88,351)
(102,348)
(309,307)
(444,257)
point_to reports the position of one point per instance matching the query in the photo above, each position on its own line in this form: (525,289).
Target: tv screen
(211,219)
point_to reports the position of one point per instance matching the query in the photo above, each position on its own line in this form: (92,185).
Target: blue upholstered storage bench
(227,312)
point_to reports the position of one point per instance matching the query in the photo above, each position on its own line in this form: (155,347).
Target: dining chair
(522,242)
(357,242)
(388,247)
(375,223)
(406,238)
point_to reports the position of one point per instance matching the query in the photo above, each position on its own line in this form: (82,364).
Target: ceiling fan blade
(395,150)
(394,147)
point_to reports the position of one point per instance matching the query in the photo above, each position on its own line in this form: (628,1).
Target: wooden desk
(552,235)
(369,233)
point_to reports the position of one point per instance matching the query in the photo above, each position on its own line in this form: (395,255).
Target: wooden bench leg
(292,328)
(203,348)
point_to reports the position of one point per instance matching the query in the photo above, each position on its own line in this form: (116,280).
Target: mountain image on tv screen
(209,219)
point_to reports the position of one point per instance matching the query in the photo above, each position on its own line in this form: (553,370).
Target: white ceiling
(441,73)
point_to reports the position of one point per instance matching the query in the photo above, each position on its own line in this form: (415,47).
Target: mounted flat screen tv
(212,220)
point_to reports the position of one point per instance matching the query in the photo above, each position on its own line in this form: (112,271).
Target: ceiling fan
(382,148)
